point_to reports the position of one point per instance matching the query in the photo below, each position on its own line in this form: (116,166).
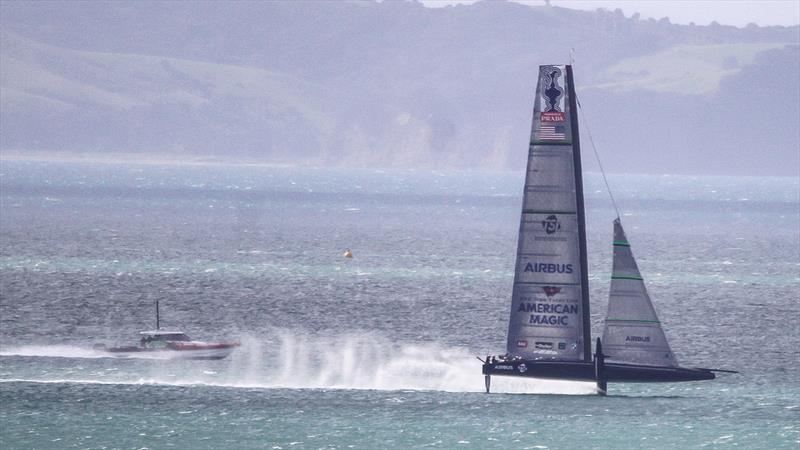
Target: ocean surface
(377,351)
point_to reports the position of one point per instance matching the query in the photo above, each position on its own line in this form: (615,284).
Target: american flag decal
(552,132)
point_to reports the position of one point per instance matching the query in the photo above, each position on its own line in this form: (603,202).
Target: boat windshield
(170,337)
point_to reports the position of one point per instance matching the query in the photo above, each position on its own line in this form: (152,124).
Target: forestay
(549,307)
(632,332)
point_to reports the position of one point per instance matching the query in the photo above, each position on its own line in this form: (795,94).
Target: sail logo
(551,224)
(552,95)
(548,268)
(556,308)
(544,345)
(522,343)
(552,117)
(637,338)
(547,320)
(551,290)
(548,314)
(552,133)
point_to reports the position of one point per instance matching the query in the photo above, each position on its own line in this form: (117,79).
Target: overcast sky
(702,12)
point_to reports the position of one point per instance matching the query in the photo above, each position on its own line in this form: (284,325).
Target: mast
(576,160)
(158,324)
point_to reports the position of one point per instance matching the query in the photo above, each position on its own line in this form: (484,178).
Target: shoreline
(134,158)
(155,159)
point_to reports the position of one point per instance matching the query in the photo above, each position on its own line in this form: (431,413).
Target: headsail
(632,332)
(550,300)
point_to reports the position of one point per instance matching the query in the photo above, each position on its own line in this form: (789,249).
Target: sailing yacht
(549,333)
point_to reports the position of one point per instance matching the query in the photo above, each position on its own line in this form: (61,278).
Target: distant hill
(391,84)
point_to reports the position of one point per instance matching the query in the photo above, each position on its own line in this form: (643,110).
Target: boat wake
(70,351)
(371,361)
(292,360)
(51,351)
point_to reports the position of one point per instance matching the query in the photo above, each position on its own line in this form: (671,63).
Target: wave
(295,360)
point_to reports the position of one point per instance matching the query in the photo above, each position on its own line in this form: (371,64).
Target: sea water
(377,351)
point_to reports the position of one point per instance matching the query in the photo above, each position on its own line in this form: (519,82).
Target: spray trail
(293,360)
(370,361)
(51,351)
(71,351)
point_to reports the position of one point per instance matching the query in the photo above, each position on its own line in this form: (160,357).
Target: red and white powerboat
(171,344)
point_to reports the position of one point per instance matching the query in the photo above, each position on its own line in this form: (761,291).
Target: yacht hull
(206,351)
(585,371)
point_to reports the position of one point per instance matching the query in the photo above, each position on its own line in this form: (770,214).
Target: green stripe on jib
(617,277)
(632,320)
(622,243)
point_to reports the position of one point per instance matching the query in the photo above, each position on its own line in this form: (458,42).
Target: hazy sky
(701,12)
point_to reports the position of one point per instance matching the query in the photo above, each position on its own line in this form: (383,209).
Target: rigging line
(596,155)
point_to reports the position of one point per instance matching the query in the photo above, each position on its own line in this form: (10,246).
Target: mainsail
(632,332)
(550,299)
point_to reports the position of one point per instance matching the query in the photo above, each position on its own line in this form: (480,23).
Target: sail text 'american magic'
(548,311)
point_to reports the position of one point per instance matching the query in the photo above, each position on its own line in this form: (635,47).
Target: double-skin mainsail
(550,299)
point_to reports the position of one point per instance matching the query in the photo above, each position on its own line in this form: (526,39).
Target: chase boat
(170,344)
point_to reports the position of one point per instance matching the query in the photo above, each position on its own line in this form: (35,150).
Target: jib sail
(632,332)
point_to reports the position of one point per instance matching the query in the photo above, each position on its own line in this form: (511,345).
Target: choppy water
(377,351)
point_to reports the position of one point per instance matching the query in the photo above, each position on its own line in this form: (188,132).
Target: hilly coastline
(390,84)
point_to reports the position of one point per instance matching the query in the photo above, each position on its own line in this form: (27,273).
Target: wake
(291,360)
(69,351)
(51,351)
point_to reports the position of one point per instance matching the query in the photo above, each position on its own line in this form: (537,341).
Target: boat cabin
(160,338)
